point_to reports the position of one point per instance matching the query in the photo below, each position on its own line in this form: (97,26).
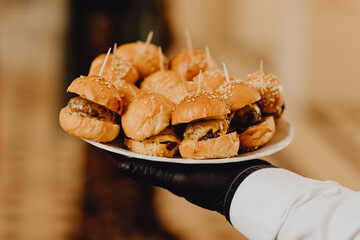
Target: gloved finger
(157,174)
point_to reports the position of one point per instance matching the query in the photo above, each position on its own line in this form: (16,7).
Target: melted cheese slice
(166,135)
(198,129)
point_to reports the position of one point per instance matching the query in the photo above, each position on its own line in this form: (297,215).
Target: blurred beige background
(312,46)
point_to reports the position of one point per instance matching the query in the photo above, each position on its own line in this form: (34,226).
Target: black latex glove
(211,186)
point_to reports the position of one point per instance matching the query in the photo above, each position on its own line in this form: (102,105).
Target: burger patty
(86,108)
(210,135)
(245,117)
(170,145)
(167,137)
(206,128)
(278,112)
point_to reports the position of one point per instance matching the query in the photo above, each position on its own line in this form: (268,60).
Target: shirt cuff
(259,205)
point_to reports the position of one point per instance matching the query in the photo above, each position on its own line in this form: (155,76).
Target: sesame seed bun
(212,79)
(124,89)
(161,82)
(116,68)
(257,135)
(88,128)
(237,94)
(98,90)
(271,91)
(189,66)
(178,92)
(152,149)
(145,59)
(146,115)
(198,105)
(220,147)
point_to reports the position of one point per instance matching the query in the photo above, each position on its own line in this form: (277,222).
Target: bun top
(161,82)
(116,68)
(212,79)
(124,89)
(237,94)
(98,90)
(178,91)
(146,115)
(145,58)
(271,91)
(190,62)
(198,105)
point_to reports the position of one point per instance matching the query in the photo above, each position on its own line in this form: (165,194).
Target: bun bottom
(257,135)
(151,149)
(88,128)
(220,147)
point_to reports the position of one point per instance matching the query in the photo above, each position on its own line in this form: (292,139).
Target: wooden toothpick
(106,58)
(189,42)
(226,73)
(261,67)
(161,60)
(114,50)
(148,41)
(199,83)
(133,92)
(184,82)
(208,56)
(149,38)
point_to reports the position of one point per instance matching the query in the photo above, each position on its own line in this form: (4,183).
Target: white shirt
(274,203)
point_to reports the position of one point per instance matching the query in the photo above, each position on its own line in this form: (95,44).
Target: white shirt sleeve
(274,203)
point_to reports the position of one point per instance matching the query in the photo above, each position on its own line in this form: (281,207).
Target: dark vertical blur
(113,207)
(95,25)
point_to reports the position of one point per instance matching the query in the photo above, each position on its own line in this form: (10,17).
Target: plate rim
(242,157)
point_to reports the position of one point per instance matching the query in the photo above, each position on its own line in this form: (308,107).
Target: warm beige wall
(335,50)
(241,33)
(204,19)
(313,46)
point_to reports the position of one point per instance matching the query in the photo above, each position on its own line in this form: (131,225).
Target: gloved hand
(210,186)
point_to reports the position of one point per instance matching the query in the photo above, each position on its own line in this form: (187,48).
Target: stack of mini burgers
(187,105)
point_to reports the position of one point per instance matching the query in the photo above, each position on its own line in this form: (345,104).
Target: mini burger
(146,126)
(212,79)
(179,91)
(161,82)
(92,114)
(145,57)
(206,134)
(246,117)
(271,91)
(190,62)
(127,91)
(116,68)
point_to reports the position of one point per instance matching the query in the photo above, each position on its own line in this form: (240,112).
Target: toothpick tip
(106,58)
(226,73)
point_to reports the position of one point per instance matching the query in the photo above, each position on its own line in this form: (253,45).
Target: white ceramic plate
(283,136)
